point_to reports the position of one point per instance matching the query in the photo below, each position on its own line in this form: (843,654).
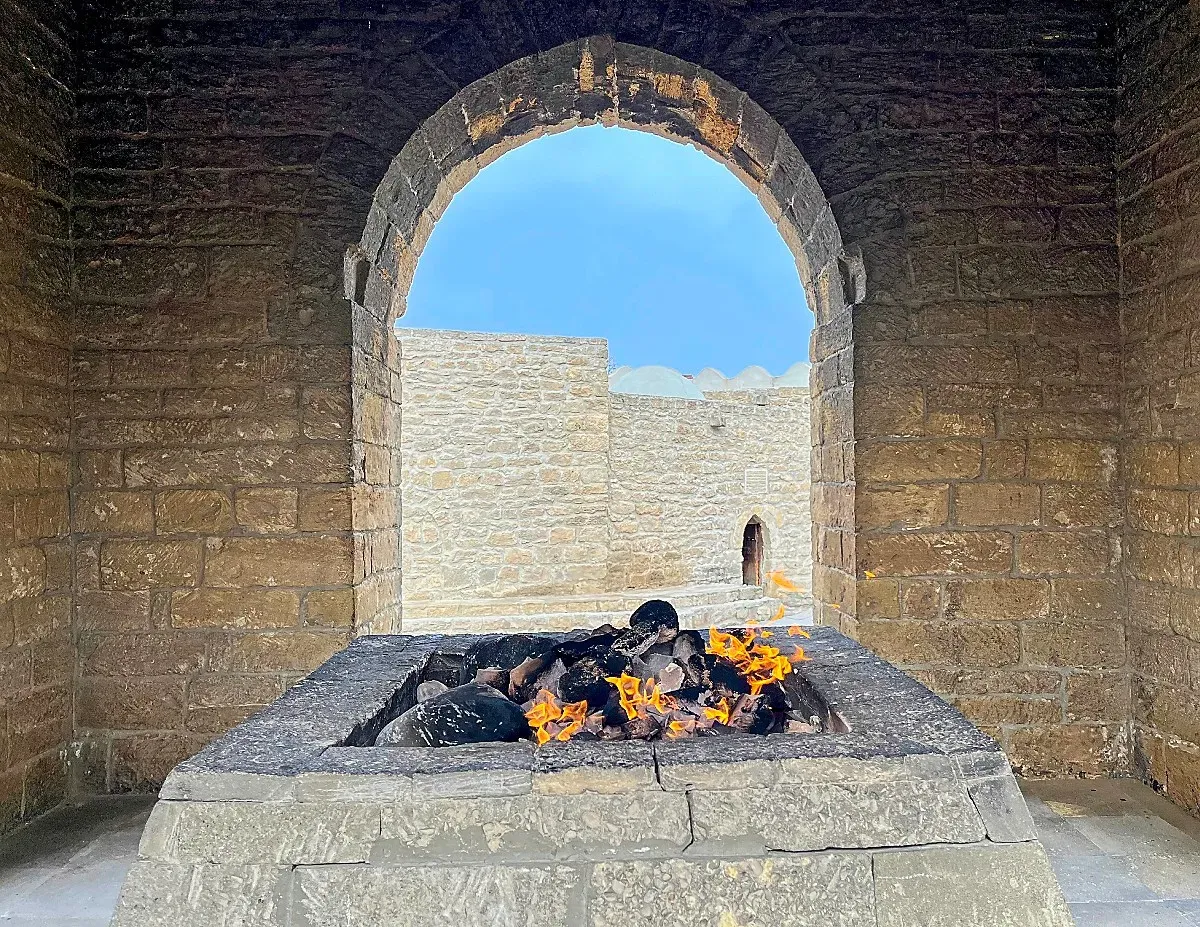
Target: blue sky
(622,235)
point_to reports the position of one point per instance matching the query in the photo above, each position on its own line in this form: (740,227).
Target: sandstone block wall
(505,465)
(211,506)
(36,111)
(1159,156)
(522,475)
(685,482)
(988,488)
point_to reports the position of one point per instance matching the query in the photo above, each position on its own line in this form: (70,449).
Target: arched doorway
(753,553)
(596,80)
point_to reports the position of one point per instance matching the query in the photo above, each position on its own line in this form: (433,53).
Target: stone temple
(211,214)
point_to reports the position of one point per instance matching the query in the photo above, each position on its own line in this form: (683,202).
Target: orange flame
(797,631)
(780,612)
(720,712)
(630,690)
(552,720)
(780,579)
(760,663)
(635,699)
(680,728)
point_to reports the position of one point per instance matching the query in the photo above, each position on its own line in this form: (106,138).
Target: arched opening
(579,84)
(753,553)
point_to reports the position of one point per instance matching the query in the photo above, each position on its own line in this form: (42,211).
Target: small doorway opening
(752,553)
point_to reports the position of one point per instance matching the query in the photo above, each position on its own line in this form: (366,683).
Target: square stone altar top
(293,818)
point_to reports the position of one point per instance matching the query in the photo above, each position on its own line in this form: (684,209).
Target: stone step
(699,616)
(604,602)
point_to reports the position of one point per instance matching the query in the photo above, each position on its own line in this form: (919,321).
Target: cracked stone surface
(829,889)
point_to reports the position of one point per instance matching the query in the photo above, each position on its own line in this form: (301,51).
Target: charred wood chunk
(523,678)
(642,727)
(594,644)
(723,677)
(587,680)
(654,664)
(656,614)
(549,680)
(671,677)
(496,678)
(467,714)
(686,644)
(753,715)
(504,652)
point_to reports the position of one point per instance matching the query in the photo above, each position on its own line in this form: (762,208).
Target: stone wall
(987,373)
(36,109)
(211,507)
(1159,156)
(681,490)
(504,465)
(522,475)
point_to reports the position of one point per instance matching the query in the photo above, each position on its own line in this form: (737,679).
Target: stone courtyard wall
(504,459)
(522,475)
(1159,154)
(36,112)
(683,488)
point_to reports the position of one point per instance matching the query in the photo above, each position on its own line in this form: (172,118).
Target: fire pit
(888,808)
(647,681)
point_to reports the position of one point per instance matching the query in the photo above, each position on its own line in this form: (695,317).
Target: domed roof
(657,381)
(710,380)
(615,377)
(753,377)
(797,375)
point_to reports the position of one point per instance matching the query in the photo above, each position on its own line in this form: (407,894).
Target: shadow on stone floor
(66,869)
(1126,857)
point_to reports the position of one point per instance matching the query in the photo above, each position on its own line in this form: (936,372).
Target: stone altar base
(910,817)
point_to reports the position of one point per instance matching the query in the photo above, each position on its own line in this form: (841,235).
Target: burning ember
(648,681)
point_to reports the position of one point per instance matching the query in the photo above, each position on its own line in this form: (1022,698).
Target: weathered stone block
(159,894)
(1002,808)
(942,553)
(997,599)
(900,462)
(241,609)
(145,564)
(565,770)
(1074,643)
(829,888)
(114,513)
(437,896)
(232,833)
(820,817)
(238,562)
(687,777)
(193,511)
(583,826)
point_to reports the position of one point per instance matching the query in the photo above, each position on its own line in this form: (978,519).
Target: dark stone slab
(422,761)
(620,754)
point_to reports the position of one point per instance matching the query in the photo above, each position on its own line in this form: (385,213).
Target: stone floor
(1125,856)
